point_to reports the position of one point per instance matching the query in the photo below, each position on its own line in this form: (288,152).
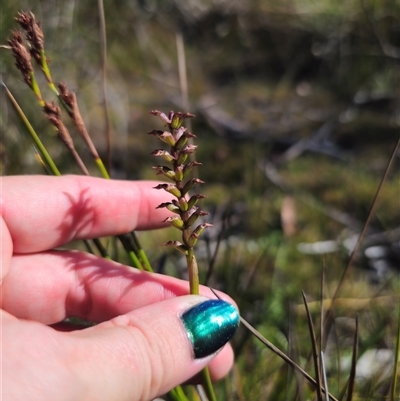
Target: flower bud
(183,154)
(189,167)
(190,184)
(164,154)
(179,173)
(162,116)
(178,246)
(165,171)
(168,138)
(194,216)
(170,206)
(177,120)
(181,142)
(172,189)
(194,199)
(175,221)
(183,205)
(165,136)
(182,158)
(179,132)
(193,238)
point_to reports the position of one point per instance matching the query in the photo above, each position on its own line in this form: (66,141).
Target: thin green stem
(207,384)
(103,37)
(130,251)
(101,249)
(135,251)
(195,289)
(35,89)
(38,143)
(102,168)
(396,362)
(141,253)
(193,272)
(134,259)
(177,394)
(46,72)
(88,246)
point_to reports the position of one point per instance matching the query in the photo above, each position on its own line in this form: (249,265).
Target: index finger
(43,212)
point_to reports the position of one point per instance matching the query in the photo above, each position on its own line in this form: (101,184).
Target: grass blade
(324,377)
(38,143)
(367,221)
(278,352)
(352,377)
(314,349)
(103,43)
(396,362)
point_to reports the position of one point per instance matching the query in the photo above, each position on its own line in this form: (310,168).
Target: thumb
(147,352)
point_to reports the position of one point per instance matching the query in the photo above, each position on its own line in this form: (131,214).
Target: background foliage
(297,106)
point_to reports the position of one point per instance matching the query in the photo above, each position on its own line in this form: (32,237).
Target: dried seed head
(22,56)
(52,110)
(66,95)
(34,33)
(53,114)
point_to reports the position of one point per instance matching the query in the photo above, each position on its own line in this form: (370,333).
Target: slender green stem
(130,251)
(396,362)
(133,248)
(195,289)
(38,143)
(103,40)
(193,273)
(208,386)
(102,168)
(46,71)
(135,260)
(141,253)
(35,88)
(101,248)
(88,246)
(177,394)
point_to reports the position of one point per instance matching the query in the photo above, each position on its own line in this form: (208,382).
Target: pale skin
(139,349)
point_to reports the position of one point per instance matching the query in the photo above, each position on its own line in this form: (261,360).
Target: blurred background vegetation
(297,115)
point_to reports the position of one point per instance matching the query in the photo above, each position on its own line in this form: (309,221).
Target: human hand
(140,348)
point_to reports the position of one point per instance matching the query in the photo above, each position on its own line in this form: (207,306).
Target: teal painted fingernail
(210,325)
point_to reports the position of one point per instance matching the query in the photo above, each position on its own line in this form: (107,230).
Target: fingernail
(210,325)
